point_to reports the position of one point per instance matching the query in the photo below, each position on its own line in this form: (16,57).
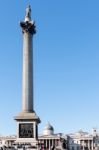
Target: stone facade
(76,141)
(83,141)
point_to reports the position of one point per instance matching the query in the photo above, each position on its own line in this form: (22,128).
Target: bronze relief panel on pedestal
(26,130)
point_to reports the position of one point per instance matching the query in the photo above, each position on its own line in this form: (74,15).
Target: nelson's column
(27,120)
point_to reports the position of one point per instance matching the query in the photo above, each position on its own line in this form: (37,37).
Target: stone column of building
(88,144)
(92,144)
(83,145)
(49,143)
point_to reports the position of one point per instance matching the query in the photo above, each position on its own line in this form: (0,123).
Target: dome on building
(48,130)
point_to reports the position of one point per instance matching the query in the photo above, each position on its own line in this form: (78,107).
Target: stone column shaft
(27,73)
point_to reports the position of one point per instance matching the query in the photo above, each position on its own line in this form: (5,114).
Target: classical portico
(27,120)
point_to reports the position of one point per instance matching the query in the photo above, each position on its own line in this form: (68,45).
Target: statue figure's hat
(28,13)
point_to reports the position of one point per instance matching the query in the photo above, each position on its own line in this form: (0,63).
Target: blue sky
(66,63)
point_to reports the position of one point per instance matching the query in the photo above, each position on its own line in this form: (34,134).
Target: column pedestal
(27,128)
